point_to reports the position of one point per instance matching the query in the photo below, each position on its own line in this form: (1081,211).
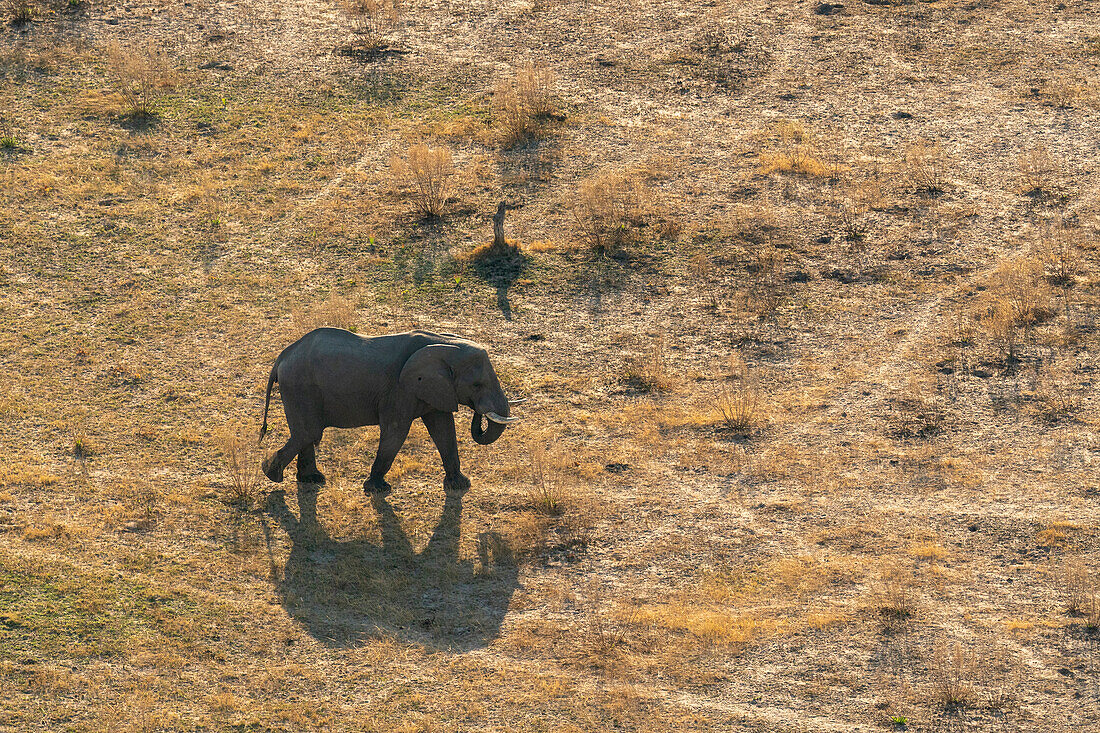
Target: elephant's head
(448,375)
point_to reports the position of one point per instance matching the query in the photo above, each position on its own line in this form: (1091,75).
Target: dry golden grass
(370,21)
(608,208)
(523,105)
(426,176)
(140,76)
(916,457)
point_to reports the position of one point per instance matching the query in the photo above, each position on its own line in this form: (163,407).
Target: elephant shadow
(347,592)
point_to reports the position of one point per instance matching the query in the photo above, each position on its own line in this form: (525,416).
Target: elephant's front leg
(392,437)
(441,426)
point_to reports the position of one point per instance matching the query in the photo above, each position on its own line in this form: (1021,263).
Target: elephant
(335,378)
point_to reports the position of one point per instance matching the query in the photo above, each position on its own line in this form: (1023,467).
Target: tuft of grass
(523,105)
(426,176)
(1076,586)
(548,493)
(241,459)
(20,11)
(335,312)
(738,398)
(370,21)
(1018,299)
(926,167)
(797,153)
(140,76)
(1039,174)
(648,372)
(608,209)
(896,597)
(954,672)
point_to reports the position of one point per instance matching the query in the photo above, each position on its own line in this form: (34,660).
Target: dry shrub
(370,21)
(1056,390)
(954,672)
(896,596)
(549,491)
(649,372)
(140,76)
(765,292)
(918,412)
(1077,586)
(1018,298)
(242,461)
(20,11)
(738,398)
(1038,173)
(796,153)
(926,167)
(608,208)
(1067,92)
(336,312)
(1059,249)
(426,175)
(523,105)
(607,632)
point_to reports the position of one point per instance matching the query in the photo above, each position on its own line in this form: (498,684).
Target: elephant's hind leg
(392,437)
(307,465)
(274,464)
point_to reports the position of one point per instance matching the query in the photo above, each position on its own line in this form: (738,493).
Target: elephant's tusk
(502,420)
(516,402)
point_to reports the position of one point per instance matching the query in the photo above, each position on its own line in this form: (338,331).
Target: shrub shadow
(346,592)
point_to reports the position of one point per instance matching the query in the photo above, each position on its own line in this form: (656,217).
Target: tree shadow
(347,592)
(500,267)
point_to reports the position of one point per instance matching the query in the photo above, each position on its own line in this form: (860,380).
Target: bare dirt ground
(813,448)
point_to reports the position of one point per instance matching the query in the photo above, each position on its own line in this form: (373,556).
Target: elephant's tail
(267,401)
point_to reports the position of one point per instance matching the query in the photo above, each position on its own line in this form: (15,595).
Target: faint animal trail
(888,372)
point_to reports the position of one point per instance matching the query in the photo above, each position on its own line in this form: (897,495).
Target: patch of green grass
(51,613)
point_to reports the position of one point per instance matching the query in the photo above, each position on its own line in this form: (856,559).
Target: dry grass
(370,21)
(549,492)
(1017,300)
(426,177)
(926,167)
(738,400)
(906,470)
(20,11)
(1076,585)
(796,152)
(954,676)
(649,371)
(608,208)
(523,105)
(241,457)
(1039,173)
(140,76)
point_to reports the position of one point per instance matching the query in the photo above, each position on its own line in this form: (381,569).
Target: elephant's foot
(456,484)
(313,477)
(376,485)
(272,470)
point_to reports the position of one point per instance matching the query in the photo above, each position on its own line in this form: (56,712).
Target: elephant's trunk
(485,436)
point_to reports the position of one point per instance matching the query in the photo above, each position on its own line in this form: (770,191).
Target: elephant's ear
(427,375)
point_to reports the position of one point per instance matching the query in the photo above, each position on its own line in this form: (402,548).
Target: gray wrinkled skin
(334,378)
